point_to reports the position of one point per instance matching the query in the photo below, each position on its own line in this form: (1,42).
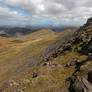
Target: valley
(46,61)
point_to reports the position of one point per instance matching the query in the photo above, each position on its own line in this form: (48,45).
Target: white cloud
(73,11)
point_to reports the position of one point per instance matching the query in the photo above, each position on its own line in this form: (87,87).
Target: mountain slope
(63,65)
(17,52)
(16,31)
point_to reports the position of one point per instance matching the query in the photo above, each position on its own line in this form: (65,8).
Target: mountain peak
(89,22)
(90,19)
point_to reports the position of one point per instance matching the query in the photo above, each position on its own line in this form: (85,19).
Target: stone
(27,81)
(77,39)
(56,65)
(87,41)
(34,75)
(46,59)
(13,83)
(46,64)
(90,57)
(90,46)
(90,76)
(67,47)
(80,84)
(54,55)
(71,63)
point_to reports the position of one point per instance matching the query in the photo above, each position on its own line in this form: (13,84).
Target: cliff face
(81,80)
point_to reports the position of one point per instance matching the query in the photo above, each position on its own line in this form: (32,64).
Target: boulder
(87,48)
(86,41)
(46,64)
(26,81)
(54,55)
(67,47)
(80,84)
(56,65)
(90,46)
(90,76)
(34,75)
(71,63)
(46,59)
(90,57)
(77,39)
(13,83)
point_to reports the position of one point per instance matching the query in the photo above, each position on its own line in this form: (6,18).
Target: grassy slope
(18,51)
(49,79)
(15,52)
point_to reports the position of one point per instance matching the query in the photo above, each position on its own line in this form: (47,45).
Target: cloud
(8,17)
(52,11)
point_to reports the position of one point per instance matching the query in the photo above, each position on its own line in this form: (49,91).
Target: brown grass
(15,52)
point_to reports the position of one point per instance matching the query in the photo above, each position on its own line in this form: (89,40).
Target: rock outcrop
(81,80)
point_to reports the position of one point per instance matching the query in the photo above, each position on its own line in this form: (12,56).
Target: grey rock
(90,57)
(77,39)
(71,63)
(56,65)
(46,64)
(90,76)
(87,41)
(81,84)
(34,75)
(67,47)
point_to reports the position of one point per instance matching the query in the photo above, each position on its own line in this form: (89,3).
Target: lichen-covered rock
(47,64)
(34,75)
(90,57)
(56,65)
(80,84)
(90,76)
(73,62)
(77,39)
(67,47)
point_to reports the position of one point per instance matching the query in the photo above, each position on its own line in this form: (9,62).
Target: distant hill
(12,32)
(18,31)
(64,28)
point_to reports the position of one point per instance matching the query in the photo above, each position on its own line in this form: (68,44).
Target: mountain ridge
(18,31)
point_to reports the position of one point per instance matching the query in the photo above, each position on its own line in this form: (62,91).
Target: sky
(44,12)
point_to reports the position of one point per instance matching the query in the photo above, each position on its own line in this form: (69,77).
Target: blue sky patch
(19,11)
